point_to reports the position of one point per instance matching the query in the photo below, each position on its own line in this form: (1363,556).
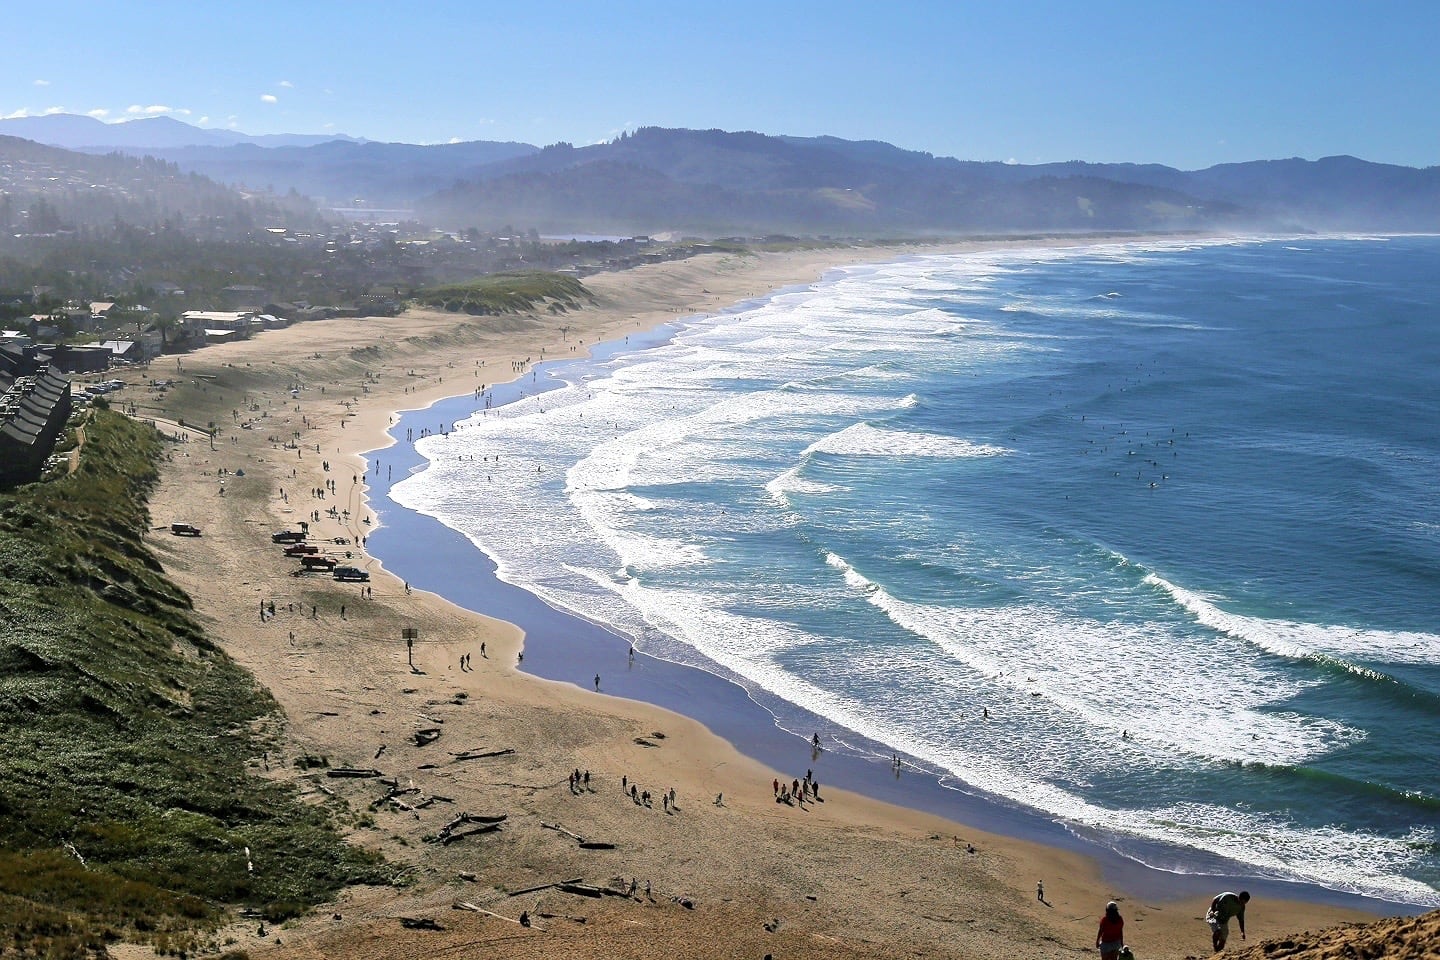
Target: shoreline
(564,646)
(853,876)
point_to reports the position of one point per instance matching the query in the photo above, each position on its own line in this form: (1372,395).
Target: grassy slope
(127,732)
(508,293)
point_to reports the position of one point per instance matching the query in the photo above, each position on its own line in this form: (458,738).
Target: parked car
(184,529)
(300,549)
(287,536)
(351,573)
(316,562)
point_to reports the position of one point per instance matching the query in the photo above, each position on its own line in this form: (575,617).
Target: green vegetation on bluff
(127,808)
(511,292)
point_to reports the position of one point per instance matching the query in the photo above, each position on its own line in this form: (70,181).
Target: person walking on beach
(1222,909)
(1111,936)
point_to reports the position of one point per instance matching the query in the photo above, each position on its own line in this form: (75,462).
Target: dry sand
(847,878)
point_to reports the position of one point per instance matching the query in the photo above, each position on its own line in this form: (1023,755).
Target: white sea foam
(1351,647)
(864,440)
(791,482)
(1074,667)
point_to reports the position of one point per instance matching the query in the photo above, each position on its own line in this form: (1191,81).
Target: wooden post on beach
(408,634)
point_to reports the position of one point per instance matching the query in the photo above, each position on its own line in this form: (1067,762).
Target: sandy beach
(743,877)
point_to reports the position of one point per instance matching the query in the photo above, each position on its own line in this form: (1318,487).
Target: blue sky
(1186,84)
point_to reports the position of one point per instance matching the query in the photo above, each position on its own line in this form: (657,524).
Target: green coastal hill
(133,805)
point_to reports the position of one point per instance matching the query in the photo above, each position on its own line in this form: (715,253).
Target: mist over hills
(714,182)
(74,132)
(47,190)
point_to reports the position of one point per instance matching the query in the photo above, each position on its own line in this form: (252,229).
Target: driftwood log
(420,923)
(480,754)
(483,828)
(463,905)
(486,824)
(559,829)
(544,886)
(361,772)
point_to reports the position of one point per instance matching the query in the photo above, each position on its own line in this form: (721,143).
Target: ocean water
(1143,537)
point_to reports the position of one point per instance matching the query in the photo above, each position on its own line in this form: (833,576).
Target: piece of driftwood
(481,754)
(486,824)
(544,886)
(559,916)
(584,844)
(581,890)
(353,772)
(426,736)
(462,905)
(391,796)
(483,828)
(420,923)
(559,829)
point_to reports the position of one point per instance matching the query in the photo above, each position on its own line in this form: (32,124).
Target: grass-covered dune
(512,292)
(126,805)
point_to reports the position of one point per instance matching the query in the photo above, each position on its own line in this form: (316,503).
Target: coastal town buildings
(33,409)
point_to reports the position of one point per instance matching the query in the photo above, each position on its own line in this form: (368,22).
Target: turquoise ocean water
(1169,513)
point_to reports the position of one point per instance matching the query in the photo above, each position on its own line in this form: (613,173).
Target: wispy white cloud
(51,111)
(268,98)
(16,115)
(99,113)
(205,119)
(285,83)
(42,83)
(232,121)
(154,110)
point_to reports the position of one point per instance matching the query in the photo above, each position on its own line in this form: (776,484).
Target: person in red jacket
(1111,937)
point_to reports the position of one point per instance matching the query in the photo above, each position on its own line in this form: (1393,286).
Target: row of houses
(34,405)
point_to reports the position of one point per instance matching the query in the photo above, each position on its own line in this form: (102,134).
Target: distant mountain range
(146,133)
(714,182)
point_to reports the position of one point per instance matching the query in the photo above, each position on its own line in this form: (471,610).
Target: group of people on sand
(797,791)
(642,798)
(1110,938)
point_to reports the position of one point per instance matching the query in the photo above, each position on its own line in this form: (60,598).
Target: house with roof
(34,405)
